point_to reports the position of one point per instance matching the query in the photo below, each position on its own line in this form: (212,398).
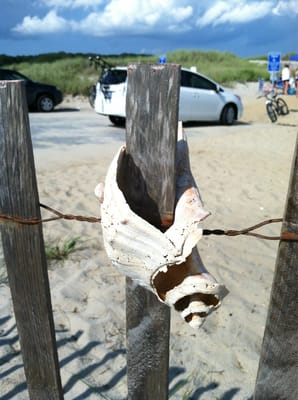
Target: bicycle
(97,61)
(275,106)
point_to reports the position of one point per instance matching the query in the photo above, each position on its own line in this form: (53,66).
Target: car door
(199,98)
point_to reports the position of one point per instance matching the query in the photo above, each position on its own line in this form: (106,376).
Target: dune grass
(74,74)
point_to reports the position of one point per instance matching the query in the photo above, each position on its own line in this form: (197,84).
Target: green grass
(74,74)
(54,252)
(61,251)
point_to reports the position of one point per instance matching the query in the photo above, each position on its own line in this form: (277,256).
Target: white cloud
(107,17)
(135,16)
(149,11)
(182,13)
(212,15)
(234,12)
(51,23)
(286,8)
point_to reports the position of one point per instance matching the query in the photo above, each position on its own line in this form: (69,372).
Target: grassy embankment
(74,74)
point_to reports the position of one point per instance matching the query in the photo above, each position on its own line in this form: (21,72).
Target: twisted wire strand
(288,236)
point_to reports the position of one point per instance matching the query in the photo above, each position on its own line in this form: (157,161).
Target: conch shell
(167,263)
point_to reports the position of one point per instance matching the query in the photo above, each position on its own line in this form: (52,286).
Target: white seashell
(166,263)
(99,191)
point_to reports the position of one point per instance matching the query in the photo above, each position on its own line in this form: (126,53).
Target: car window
(4,75)
(11,75)
(113,77)
(188,79)
(16,75)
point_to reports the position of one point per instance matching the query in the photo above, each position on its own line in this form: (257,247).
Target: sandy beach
(243,173)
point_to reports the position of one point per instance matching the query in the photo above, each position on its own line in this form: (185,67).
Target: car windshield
(113,77)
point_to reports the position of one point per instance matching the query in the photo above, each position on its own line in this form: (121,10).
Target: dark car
(40,96)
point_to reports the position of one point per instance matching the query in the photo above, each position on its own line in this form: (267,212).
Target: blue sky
(243,27)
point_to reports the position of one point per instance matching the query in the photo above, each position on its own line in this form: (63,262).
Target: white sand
(243,173)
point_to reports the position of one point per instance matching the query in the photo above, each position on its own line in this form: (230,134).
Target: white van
(201,99)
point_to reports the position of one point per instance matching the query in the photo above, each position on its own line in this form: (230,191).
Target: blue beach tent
(294,57)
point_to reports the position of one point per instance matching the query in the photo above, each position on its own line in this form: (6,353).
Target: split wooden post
(151,135)
(23,247)
(277,377)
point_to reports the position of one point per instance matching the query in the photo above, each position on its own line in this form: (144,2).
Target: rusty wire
(248,231)
(288,236)
(58,215)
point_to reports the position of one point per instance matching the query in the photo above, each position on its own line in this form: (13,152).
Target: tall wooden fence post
(151,136)
(23,247)
(277,377)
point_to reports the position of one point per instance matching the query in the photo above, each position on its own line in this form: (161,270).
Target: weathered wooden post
(277,377)
(151,135)
(23,247)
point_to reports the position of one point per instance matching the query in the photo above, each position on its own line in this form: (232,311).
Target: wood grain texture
(148,182)
(151,134)
(23,247)
(148,325)
(277,377)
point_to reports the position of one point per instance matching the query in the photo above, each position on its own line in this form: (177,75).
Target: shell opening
(192,316)
(207,299)
(165,281)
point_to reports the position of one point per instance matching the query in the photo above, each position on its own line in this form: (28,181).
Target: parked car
(201,98)
(40,96)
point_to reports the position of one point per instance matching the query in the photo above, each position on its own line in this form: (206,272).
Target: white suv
(201,99)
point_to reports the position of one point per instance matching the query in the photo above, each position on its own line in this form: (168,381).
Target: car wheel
(45,103)
(228,115)
(118,121)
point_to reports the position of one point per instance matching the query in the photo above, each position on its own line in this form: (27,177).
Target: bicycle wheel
(271,112)
(92,95)
(282,107)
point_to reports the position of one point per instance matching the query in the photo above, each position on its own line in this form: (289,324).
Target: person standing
(285,77)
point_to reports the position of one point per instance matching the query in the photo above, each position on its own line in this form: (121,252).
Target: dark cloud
(271,33)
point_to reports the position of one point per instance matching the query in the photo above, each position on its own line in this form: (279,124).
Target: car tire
(228,115)
(118,121)
(44,103)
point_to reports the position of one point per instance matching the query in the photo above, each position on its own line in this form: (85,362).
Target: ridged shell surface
(166,263)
